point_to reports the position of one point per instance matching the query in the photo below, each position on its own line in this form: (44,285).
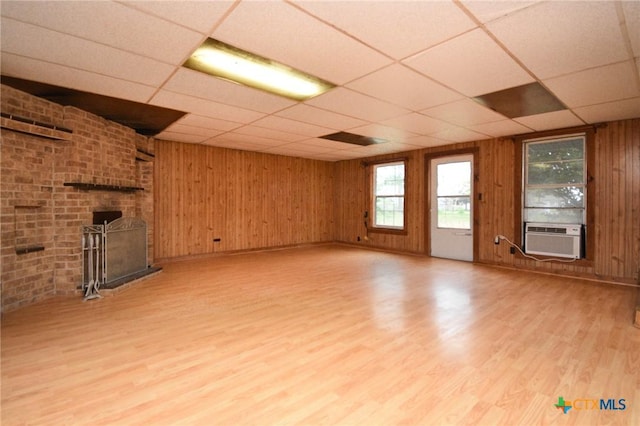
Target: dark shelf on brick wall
(36,128)
(99,187)
(30,249)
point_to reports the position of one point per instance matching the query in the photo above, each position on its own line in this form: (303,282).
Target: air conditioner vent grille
(547,230)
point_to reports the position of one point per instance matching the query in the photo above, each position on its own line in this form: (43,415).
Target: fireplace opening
(114,252)
(99,218)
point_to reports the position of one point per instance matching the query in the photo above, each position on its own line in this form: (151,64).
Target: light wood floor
(325,335)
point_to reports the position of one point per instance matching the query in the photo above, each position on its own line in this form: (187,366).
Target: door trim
(427,196)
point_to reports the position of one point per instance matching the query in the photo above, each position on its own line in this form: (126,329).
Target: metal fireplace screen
(122,250)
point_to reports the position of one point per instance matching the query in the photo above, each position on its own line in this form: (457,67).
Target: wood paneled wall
(249,200)
(252,200)
(616,204)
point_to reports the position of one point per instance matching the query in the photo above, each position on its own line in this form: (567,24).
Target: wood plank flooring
(326,335)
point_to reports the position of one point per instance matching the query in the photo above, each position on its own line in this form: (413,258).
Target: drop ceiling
(406,72)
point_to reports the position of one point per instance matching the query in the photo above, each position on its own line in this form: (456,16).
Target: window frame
(527,186)
(370,213)
(589,184)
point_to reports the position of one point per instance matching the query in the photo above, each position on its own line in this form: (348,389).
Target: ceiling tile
(470,63)
(500,128)
(464,112)
(387,133)
(345,154)
(241,145)
(326,143)
(43,72)
(426,141)
(550,120)
(387,148)
(293,151)
(35,42)
(414,25)
(282,32)
(631,11)
(196,15)
(194,120)
(197,84)
(418,123)
(262,132)
(127,29)
(303,146)
(486,11)
(556,38)
(292,126)
(404,87)
(204,107)
(348,102)
(205,133)
(231,138)
(180,137)
(610,111)
(459,134)
(596,85)
(408,67)
(320,117)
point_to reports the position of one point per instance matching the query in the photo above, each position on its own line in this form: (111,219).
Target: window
(555,180)
(388,195)
(454,195)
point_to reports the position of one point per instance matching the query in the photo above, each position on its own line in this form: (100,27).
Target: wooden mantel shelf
(99,187)
(32,127)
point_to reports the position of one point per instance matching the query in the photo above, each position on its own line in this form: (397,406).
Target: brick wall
(38,211)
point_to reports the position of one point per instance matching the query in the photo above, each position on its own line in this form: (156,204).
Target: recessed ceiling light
(521,101)
(224,61)
(352,138)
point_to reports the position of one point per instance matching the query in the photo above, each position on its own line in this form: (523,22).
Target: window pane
(555,162)
(554,190)
(389,180)
(454,212)
(565,196)
(453,179)
(389,211)
(554,215)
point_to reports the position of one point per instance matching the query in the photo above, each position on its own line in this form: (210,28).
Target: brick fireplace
(60,165)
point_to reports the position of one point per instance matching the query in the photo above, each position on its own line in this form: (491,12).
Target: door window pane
(454,195)
(453,179)
(454,212)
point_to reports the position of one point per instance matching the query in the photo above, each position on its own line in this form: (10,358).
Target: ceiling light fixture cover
(221,60)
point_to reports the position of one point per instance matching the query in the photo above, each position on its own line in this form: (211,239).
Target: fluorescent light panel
(224,61)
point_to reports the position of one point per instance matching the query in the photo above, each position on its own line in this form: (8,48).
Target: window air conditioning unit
(553,240)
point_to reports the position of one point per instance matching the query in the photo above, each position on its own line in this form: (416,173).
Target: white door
(452,207)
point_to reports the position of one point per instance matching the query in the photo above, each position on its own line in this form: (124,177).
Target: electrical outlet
(496,240)
(358,239)
(512,250)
